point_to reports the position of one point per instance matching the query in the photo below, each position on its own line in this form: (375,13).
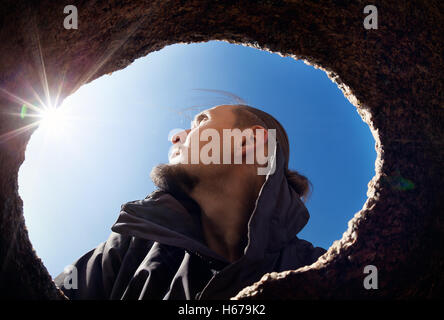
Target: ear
(256,140)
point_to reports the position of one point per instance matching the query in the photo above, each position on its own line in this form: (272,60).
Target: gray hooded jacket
(157,251)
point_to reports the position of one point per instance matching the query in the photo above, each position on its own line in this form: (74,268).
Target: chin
(174,178)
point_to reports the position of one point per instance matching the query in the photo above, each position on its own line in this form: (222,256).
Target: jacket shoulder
(299,253)
(97,270)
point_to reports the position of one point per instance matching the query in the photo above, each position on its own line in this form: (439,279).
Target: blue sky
(74,179)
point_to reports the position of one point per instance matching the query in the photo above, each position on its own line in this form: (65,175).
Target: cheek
(194,144)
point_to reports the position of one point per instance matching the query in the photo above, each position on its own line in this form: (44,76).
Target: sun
(53,120)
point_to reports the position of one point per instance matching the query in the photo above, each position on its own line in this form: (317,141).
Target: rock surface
(393,75)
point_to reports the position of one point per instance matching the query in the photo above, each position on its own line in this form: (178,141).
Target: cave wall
(393,75)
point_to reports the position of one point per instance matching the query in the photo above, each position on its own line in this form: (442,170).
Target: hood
(278,216)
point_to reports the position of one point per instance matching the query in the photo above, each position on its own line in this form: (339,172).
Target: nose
(180,136)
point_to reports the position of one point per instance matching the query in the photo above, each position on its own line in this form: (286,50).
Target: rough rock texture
(392,75)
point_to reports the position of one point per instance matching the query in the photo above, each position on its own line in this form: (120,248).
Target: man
(211,228)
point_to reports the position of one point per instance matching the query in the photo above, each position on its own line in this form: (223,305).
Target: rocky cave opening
(392,75)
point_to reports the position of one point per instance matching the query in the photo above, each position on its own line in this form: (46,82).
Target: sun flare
(53,120)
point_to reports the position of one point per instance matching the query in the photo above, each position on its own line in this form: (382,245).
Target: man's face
(181,174)
(191,146)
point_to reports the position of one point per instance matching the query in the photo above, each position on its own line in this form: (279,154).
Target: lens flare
(53,120)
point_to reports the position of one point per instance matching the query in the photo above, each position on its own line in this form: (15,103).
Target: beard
(174,179)
(177,181)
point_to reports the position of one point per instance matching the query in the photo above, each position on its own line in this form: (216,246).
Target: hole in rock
(98,153)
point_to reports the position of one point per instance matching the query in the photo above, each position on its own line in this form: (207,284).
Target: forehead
(223,111)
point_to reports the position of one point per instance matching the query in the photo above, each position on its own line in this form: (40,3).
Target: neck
(226,207)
